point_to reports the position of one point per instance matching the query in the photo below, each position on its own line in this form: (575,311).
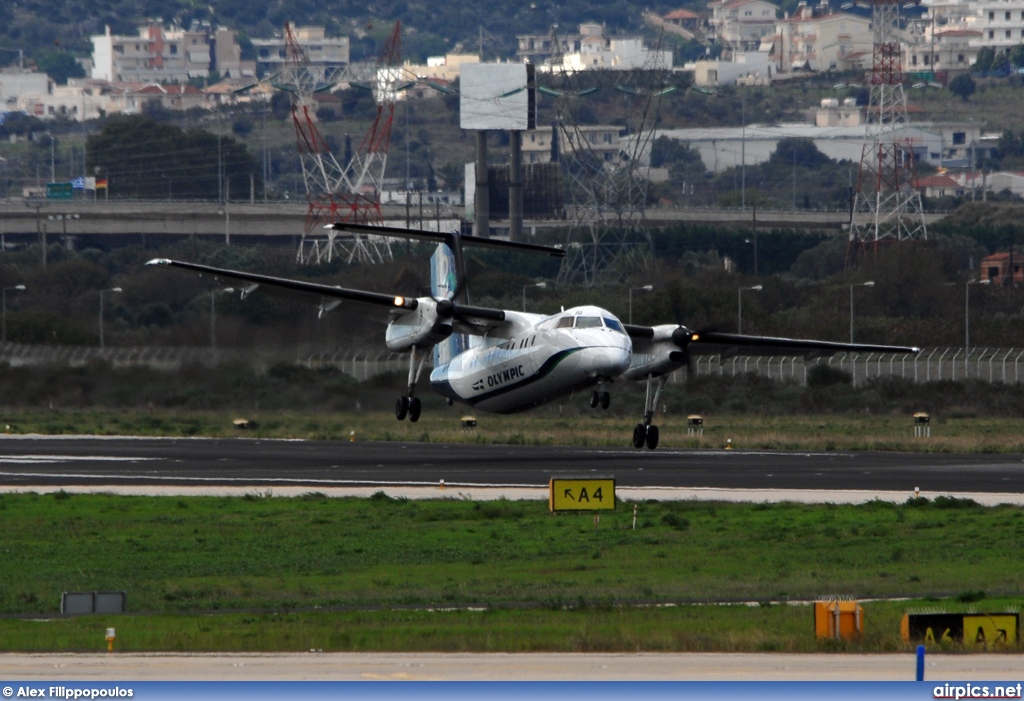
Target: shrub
(822,375)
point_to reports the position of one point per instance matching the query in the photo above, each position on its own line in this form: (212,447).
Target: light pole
(739,294)
(967,319)
(102,292)
(743,150)
(869,283)
(213,315)
(645,288)
(754,242)
(53,159)
(538,285)
(19,288)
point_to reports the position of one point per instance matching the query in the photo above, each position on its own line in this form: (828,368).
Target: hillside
(40,25)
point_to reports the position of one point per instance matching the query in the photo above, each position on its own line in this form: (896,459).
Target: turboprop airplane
(505,361)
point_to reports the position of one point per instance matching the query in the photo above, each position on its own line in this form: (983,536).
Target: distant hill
(431,27)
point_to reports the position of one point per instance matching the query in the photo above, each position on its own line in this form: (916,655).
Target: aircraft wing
(729,345)
(326,294)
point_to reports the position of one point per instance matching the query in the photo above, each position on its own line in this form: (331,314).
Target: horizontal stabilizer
(447,237)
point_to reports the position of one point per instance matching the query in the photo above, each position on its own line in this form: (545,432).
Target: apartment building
(158,55)
(1000,22)
(833,41)
(540,48)
(741,24)
(321,51)
(942,50)
(604,142)
(590,50)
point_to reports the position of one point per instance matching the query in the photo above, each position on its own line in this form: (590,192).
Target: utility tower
(608,235)
(887,205)
(346,191)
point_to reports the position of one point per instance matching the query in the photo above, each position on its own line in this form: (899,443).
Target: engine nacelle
(421,326)
(660,354)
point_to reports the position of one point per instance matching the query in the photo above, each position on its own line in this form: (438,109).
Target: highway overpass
(111,223)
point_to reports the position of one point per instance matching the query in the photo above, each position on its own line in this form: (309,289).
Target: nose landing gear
(600,397)
(646,433)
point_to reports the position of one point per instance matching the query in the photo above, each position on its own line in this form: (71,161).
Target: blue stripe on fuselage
(445,389)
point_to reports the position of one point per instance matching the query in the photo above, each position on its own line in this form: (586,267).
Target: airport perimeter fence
(361,365)
(22,355)
(1004,365)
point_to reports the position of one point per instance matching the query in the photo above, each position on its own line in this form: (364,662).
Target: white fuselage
(541,359)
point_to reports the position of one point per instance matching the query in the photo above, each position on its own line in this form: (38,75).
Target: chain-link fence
(931,365)
(360,364)
(1004,365)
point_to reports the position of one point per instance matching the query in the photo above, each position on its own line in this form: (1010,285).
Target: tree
(804,151)
(141,157)
(59,65)
(1017,56)
(985,59)
(963,85)
(280,104)
(670,152)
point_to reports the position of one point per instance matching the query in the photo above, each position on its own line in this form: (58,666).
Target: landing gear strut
(646,433)
(410,405)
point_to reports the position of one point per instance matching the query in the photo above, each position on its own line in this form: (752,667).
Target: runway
(184,465)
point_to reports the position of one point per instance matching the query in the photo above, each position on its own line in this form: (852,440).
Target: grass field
(260,573)
(960,434)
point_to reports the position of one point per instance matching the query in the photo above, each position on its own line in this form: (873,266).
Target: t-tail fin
(443,285)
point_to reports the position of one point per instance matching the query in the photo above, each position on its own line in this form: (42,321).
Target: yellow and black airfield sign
(581,493)
(985,630)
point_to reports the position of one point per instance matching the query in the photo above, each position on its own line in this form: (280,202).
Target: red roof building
(996,268)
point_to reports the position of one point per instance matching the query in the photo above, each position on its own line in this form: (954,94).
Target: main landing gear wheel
(652,437)
(408,406)
(639,436)
(645,435)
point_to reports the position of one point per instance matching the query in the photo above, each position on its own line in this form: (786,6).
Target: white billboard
(496,96)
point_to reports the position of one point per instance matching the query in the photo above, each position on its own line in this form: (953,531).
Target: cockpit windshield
(582,322)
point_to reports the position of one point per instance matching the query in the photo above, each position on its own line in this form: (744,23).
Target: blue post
(920,663)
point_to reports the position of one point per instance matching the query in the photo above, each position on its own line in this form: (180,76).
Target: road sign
(59,191)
